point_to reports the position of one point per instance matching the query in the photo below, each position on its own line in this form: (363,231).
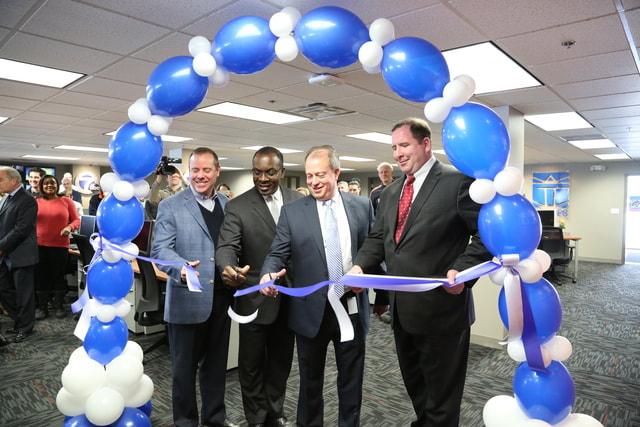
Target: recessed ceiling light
(558,121)
(230,168)
(372,136)
(3,119)
(239,111)
(33,156)
(165,138)
(285,164)
(590,144)
(80,148)
(346,169)
(491,68)
(618,156)
(440,152)
(356,159)
(282,150)
(29,73)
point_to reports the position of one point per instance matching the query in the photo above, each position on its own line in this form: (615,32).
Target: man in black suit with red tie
(423,229)
(18,253)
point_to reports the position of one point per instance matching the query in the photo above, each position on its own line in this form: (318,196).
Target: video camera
(164,168)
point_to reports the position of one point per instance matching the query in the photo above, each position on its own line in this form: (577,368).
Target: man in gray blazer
(303,241)
(439,238)
(18,253)
(266,344)
(186,232)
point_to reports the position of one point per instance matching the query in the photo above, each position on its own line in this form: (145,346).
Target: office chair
(86,254)
(553,243)
(150,306)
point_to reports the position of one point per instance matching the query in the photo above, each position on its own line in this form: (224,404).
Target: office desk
(575,241)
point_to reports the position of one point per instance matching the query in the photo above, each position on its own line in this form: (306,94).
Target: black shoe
(257,425)
(21,336)
(41,314)
(3,341)
(61,313)
(11,331)
(228,423)
(282,422)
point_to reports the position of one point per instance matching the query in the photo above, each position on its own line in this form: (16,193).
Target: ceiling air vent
(583,137)
(318,111)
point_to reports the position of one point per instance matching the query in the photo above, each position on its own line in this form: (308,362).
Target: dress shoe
(41,314)
(21,336)
(280,422)
(61,313)
(3,341)
(257,425)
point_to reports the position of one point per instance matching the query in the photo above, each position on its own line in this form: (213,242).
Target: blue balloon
(509,225)
(109,283)
(120,222)
(548,397)
(545,306)
(147,408)
(132,417)
(244,45)
(105,341)
(134,152)
(414,69)
(78,421)
(331,36)
(476,140)
(174,88)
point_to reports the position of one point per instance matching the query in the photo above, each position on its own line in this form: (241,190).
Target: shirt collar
(199,196)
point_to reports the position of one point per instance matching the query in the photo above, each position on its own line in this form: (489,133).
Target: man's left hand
(457,289)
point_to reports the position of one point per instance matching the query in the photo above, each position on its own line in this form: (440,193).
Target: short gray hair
(381,165)
(11,173)
(334,159)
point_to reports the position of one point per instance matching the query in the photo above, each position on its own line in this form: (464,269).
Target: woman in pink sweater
(57,218)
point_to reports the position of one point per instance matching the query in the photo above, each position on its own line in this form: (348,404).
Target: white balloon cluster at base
(101,392)
(503,411)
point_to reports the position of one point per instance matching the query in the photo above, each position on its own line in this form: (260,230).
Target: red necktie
(404,206)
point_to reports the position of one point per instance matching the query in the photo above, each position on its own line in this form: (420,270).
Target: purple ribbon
(530,340)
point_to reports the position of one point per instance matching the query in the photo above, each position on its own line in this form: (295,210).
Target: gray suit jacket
(435,239)
(18,230)
(181,235)
(299,242)
(245,238)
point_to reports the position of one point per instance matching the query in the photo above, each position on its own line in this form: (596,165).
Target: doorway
(632,221)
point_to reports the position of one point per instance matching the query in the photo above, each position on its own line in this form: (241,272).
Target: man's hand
(183,272)
(380,309)
(234,276)
(271,291)
(451,276)
(355,270)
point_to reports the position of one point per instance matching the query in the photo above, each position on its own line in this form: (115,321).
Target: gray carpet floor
(601,318)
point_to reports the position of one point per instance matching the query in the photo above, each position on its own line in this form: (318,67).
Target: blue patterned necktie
(332,249)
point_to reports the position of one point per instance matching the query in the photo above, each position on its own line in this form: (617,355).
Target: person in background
(426,226)
(266,344)
(186,232)
(175,182)
(225,189)
(354,186)
(18,253)
(343,186)
(95,200)
(57,218)
(385,173)
(318,236)
(303,190)
(35,175)
(68,190)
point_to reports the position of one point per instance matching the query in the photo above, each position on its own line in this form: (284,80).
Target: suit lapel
(350,210)
(192,206)
(261,208)
(310,214)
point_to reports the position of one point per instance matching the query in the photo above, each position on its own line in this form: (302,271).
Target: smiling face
(49,187)
(204,172)
(322,180)
(385,174)
(7,184)
(410,153)
(267,173)
(34,180)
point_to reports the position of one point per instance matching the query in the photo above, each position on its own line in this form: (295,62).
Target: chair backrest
(87,225)
(552,242)
(84,247)
(150,300)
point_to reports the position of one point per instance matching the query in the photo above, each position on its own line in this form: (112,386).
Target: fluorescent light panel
(165,138)
(282,150)
(230,168)
(80,148)
(239,111)
(373,136)
(355,159)
(491,68)
(285,164)
(33,156)
(3,119)
(35,74)
(558,121)
(619,156)
(590,144)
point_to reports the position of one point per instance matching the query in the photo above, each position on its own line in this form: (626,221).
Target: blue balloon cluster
(244,45)
(131,417)
(134,152)
(120,222)
(105,341)
(109,283)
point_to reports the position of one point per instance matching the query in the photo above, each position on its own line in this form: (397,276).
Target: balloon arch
(104,383)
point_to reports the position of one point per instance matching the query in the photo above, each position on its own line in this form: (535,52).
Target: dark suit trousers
(204,346)
(17,295)
(312,353)
(433,368)
(264,363)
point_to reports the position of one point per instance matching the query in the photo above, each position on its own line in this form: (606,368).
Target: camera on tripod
(164,168)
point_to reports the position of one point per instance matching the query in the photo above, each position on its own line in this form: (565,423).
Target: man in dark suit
(431,328)
(318,236)
(186,232)
(18,253)
(266,344)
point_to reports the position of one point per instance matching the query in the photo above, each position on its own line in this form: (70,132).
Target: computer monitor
(547,217)
(143,239)
(87,225)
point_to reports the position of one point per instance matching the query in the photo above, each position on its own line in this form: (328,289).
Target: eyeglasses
(271,173)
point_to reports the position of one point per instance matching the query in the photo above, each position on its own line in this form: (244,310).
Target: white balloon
(468,80)
(559,348)
(281,24)
(123,190)
(111,256)
(142,393)
(294,14)
(69,404)
(515,350)
(502,411)
(370,54)
(530,270)
(286,49)
(534,423)
(482,191)
(133,349)
(158,125)
(198,45)
(204,64)
(579,420)
(122,308)
(104,406)
(131,248)
(142,101)
(508,181)
(220,78)
(83,376)
(381,31)
(78,353)
(543,259)
(107,181)
(498,276)
(124,371)
(437,110)
(140,188)
(373,70)
(455,93)
(106,313)
(139,113)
